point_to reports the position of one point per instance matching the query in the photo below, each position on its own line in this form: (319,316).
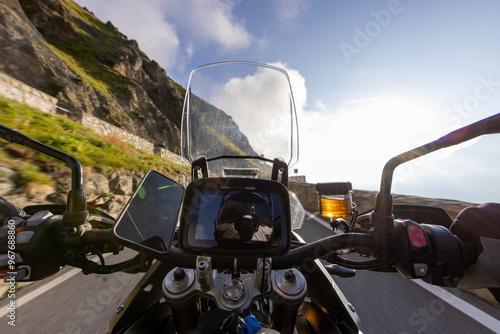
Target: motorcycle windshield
(239,109)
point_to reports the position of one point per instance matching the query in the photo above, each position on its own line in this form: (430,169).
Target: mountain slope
(65,51)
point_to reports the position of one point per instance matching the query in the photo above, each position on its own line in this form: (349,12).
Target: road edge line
(469,310)
(461,305)
(322,222)
(40,290)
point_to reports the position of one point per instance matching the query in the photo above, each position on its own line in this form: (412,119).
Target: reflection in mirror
(148,220)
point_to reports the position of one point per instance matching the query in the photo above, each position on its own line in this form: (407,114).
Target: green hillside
(103,154)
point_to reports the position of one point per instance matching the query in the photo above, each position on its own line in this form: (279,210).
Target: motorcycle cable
(101,258)
(265,307)
(358,265)
(354,218)
(91,267)
(296,244)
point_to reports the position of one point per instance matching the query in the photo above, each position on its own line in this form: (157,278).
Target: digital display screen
(150,216)
(235,220)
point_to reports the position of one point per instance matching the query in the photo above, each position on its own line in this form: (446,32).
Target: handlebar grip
(446,258)
(470,252)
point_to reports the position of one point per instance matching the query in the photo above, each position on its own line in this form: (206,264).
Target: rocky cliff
(206,122)
(90,67)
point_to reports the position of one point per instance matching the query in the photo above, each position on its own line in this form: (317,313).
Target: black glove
(481,225)
(9,210)
(476,222)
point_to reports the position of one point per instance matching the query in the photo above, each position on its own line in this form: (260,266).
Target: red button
(4,273)
(417,236)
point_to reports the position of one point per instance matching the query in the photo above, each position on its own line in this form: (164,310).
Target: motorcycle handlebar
(295,257)
(443,255)
(445,251)
(322,247)
(97,237)
(444,261)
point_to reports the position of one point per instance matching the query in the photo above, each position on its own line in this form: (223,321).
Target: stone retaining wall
(169,155)
(104,128)
(23,93)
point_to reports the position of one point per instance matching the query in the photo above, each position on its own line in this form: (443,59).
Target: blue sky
(371,78)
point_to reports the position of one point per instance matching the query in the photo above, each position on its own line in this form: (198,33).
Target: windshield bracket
(280,172)
(198,165)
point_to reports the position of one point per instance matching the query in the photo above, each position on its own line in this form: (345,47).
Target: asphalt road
(385,302)
(80,304)
(389,303)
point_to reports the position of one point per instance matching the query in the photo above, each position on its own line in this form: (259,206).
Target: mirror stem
(382,216)
(76,208)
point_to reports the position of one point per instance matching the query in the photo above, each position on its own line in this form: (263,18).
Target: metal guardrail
(65,110)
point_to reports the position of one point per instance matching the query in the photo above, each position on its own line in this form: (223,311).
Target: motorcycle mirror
(76,208)
(490,125)
(148,221)
(382,216)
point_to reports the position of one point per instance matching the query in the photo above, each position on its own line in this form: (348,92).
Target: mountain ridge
(63,50)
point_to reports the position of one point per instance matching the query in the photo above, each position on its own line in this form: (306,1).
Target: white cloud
(144,22)
(320,106)
(288,10)
(209,21)
(167,31)
(190,49)
(354,141)
(298,83)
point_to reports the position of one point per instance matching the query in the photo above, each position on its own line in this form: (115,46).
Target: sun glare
(354,141)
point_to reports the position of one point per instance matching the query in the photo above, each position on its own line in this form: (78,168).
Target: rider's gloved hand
(9,210)
(481,225)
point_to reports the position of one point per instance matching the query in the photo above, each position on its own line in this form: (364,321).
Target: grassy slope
(104,154)
(82,56)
